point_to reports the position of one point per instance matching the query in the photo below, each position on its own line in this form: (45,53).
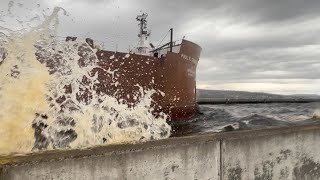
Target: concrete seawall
(278,153)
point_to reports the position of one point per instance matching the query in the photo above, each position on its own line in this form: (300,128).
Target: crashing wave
(49,100)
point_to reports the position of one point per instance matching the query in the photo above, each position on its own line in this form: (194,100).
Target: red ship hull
(174,75)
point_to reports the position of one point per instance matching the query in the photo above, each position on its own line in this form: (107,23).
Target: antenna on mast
(143,24)
(144,33)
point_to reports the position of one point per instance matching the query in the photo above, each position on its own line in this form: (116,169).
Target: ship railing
(166,46)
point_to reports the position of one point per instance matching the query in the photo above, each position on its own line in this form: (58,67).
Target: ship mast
(144,34)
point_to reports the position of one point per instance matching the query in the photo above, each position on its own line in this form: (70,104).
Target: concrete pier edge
(52,155)
(227,148)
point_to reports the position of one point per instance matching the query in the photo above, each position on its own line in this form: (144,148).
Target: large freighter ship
(170,68)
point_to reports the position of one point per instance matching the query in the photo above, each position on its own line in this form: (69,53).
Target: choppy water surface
(217,118)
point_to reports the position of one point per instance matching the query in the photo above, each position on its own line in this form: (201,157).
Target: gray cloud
(244,41)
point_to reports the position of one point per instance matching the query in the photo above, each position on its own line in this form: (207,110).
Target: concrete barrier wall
(183,158)
(279,153)
(292,154)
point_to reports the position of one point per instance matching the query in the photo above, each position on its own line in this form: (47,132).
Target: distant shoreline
(204,93)
(253,101)
(243,97)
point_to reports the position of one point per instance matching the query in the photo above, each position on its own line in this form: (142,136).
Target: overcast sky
(252,45)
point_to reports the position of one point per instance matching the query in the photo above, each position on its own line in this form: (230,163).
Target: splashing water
(316,114)
(41,81)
